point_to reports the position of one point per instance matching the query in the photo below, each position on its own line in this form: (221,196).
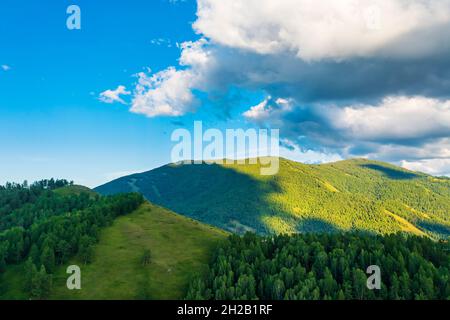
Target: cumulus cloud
(432,149)
(349,77)
(328,29)
(399,129)
(314,51)
(327,50)
(430,166)
(170,91)
(195,54)
(363,78)
(268,110)
(166,93)
(111,96)
(395,119)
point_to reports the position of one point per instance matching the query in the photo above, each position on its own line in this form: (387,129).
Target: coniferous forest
(325,266)
(44,226)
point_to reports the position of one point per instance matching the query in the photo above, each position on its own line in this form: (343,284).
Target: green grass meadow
(180,249)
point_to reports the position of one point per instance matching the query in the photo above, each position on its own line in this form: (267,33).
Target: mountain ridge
(355,194)
(281,159)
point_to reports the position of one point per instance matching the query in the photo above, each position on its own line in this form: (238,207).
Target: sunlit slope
(75,190)
(347,195)
(179,249)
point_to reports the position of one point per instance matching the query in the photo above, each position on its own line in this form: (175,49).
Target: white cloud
(431,157)
(6,67)
(314,30)
(411,131)
(111,96)
(291,151)
(169,92)
(268,45)
(317,56)
(194,53)
(277,47)
(260,112)
(395,118)
(433,149)
(439,167)
(166,93)
(268,109)
(161,42)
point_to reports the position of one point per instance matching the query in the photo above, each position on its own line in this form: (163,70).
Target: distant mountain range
(348,195)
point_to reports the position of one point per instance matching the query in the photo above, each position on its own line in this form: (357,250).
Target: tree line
(16,195)
(325,267)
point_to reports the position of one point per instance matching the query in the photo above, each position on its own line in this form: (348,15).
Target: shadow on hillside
(314,225)
(436,228)
(223,196)
(391,173)
(230,198)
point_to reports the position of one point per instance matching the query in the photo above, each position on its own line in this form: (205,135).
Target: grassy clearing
(180,247)
(406,226)
(74,190)
(12,283)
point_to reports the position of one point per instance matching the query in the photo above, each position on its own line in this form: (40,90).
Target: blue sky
(51,121)
(331,78)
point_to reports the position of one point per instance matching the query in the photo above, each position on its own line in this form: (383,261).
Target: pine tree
(30,272)
(359,283)
(48,259)
(340,295)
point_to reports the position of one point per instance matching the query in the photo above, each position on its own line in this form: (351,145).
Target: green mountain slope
(348,195)
(180,249)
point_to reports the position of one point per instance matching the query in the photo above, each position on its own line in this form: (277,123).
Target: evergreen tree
(324,266)
(48,259)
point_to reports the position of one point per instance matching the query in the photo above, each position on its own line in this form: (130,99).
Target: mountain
(348,195)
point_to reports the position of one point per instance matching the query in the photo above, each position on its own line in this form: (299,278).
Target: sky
(340,79)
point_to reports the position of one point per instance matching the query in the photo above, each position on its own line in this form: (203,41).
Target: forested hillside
(47,223)
(131,249)
(345,196)
(325,266)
